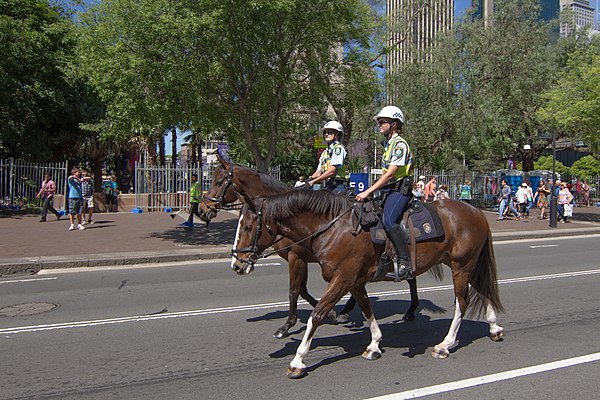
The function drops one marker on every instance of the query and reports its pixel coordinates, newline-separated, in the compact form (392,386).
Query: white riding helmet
(336,126)
(391,112)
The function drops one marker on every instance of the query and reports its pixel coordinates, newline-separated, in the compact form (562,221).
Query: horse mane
(321,202)
(271,184)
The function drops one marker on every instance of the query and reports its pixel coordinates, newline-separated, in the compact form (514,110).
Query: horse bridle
(253,249)
(218,201)
(254,256)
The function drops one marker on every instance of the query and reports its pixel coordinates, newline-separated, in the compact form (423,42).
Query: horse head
(253,236)
(221,190)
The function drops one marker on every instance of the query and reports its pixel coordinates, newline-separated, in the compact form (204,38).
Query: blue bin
(168,210)
(137,210)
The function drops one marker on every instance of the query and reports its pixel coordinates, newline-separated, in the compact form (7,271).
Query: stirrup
(382,268)
(401,272)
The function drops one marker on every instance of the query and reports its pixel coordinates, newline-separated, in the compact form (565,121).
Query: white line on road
(543,246)
(482,380)
(546,239)
(253,307)
(28,280)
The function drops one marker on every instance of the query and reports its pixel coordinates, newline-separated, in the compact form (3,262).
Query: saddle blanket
(426,222)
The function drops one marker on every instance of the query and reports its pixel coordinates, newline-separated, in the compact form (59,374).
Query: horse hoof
(498,336)
(408,317)
(332,315)
(295,373)
(371,355)
(342,318)
(439,353)
(280,333)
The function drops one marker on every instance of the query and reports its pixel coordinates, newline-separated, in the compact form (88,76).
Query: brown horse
(230,181)
(322,224)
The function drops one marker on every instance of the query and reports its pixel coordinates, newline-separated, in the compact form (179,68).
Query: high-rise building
(583,15)
(413,27)
(485,8)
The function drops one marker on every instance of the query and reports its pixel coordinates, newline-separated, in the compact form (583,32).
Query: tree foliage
(256,70)
(586,167)
(573,103)
(545,163)
(475,92)
(41,102)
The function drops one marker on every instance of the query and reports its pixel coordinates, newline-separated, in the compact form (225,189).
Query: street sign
(320,143)
(360,182)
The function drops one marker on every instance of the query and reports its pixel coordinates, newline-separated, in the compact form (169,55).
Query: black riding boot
(399,239)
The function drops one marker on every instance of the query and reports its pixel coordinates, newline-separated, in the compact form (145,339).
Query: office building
(414,26)
(583,16)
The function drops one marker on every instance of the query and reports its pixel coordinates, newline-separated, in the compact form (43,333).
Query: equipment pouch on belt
(405,186)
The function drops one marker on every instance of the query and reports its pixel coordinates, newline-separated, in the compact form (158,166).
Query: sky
(460,6)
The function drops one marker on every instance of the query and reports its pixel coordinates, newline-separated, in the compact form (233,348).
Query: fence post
(11,190)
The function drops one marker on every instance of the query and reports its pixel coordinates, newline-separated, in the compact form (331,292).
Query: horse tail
(484,280)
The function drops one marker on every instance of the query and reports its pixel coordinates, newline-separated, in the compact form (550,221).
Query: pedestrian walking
(75,199)
(46,193)
(195,196)
(87,189)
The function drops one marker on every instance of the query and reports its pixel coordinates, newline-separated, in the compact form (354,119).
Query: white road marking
(228,260)
(28,280)
(253,307)
(501,242)
(543,246)
(482,380)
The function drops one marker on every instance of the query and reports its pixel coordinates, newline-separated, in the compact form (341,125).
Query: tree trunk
(152,155)
(162,151)
(97,174)
(174,147)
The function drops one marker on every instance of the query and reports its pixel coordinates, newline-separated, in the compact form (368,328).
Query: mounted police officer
(331,160)
(396,182)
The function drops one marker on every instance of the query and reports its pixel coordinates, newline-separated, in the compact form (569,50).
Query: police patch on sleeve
(398,152)
(337,151)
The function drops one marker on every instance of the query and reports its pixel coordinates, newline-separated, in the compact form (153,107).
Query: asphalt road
(198,331)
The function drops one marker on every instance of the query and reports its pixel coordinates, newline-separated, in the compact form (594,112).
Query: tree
(545,163)
(475,92)
(134,54)
(586,167)
(573,103)
(41,102)
(254,69)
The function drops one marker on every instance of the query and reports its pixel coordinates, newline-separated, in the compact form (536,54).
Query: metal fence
(157,188)
(485,187)
(160,188)
(21,180)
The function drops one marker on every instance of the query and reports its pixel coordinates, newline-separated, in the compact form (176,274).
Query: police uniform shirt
(397,153)
(335,154)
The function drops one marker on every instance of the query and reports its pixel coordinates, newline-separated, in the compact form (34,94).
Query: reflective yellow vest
(195,192)
(394,149)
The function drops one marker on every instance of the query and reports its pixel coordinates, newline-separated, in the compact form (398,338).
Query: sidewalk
(28,246)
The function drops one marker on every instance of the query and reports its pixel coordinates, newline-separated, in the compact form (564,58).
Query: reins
(255,257)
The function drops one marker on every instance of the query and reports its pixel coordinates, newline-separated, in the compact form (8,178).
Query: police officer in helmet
(396,181)
(331,160)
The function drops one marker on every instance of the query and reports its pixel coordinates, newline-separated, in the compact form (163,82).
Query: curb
(32,265)
(521,235)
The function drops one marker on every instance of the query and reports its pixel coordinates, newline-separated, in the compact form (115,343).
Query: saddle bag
(365,214)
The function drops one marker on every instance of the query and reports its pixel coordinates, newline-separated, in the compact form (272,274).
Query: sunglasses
(329,133)
(383,121)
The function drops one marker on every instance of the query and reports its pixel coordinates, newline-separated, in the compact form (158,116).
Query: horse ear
(225,163)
